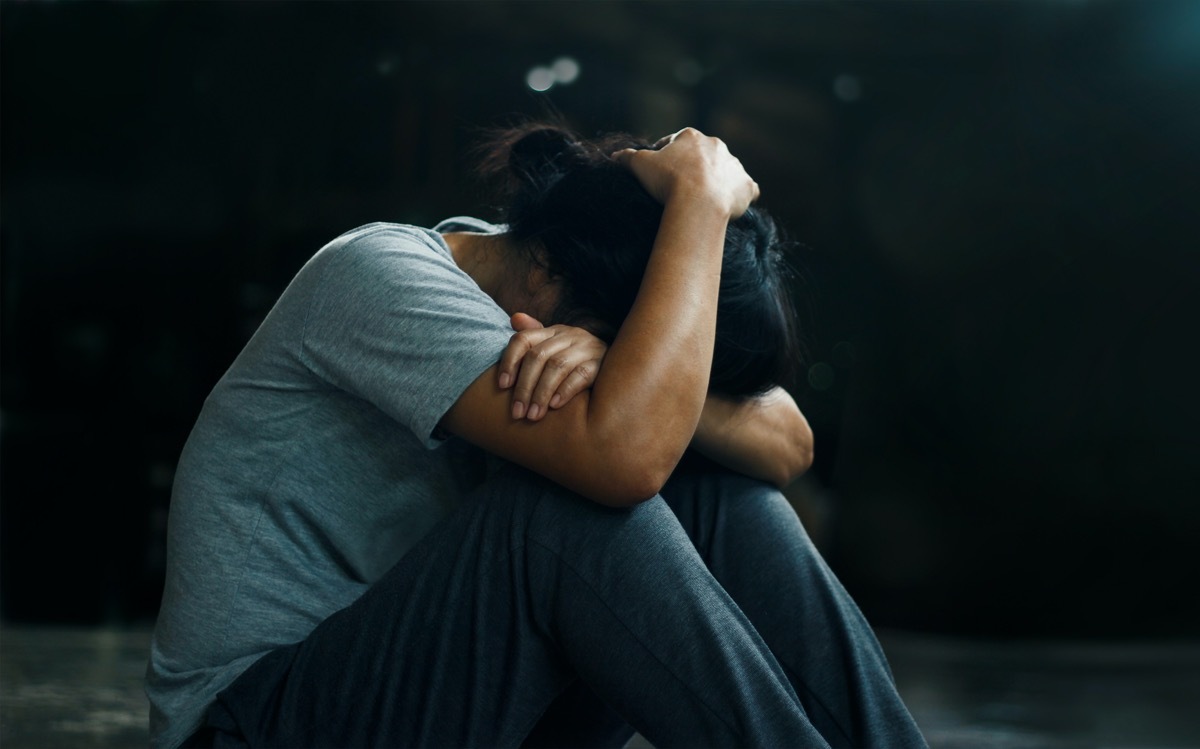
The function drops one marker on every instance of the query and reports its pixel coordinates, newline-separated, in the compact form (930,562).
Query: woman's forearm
(651,390)
(619,442)
(766,437)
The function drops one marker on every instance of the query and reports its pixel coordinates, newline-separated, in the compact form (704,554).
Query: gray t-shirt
(314,466)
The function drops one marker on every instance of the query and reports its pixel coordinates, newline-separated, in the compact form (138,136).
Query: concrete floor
(62,687)
(1049,695)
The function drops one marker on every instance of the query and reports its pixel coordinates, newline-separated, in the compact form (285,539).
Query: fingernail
(556,401)
(518,410)
(505,380)
(534,411)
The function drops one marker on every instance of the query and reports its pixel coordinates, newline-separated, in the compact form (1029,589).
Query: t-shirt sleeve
(395,322)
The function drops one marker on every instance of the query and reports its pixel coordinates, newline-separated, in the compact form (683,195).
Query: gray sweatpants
(703,617)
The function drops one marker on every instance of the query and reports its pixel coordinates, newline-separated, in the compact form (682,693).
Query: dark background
(996,204)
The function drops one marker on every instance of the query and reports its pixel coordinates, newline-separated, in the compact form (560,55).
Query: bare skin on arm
(765,437)
(618,442)
(547,367)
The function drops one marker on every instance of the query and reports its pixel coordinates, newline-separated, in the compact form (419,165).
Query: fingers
(542,362)
(559,368)
(521,321)
(623,156)
(518,346)
(693,164)
(555,371)
(547,367)
(579,379)
(667,140)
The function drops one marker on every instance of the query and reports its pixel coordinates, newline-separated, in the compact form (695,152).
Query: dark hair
(592,225)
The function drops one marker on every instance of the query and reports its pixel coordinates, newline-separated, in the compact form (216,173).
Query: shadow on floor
(64,687)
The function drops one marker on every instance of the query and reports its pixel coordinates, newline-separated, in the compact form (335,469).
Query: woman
(345,569)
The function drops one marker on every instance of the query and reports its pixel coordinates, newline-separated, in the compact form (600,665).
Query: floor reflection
(64,687)
(985,695)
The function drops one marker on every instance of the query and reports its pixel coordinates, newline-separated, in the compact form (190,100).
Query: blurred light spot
(565,69)
(540,79)
(847,87)
(843,354)
(820,376)
(688,72)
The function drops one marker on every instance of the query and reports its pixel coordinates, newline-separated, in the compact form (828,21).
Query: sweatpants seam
(796,679)
(668,669)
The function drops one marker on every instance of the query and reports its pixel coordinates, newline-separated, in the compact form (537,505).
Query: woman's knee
(720,507)
(564,522)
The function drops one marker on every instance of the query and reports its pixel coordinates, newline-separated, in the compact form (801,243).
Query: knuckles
(586,371)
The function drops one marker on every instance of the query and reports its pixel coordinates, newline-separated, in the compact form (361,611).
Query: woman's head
(591,225)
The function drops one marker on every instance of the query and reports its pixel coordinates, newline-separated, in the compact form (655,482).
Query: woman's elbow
(631,480)
(641,483)
(798,459)
(624,492)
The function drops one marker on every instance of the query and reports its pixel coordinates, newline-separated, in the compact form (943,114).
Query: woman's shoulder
(387,237)
(386,256)
(383,234)
(365,248)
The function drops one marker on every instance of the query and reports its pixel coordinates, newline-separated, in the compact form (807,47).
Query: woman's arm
(619,442)
(765,437)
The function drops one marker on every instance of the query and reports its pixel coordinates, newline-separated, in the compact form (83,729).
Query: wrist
(704,210)
(700,196)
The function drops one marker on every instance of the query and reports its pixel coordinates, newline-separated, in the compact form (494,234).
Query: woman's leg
(523,590)
(756,548)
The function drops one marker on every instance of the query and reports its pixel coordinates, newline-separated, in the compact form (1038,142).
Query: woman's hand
(546,367)
(618,442)
(691,165)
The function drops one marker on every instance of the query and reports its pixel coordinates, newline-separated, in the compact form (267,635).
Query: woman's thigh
(523,590)
(444,650)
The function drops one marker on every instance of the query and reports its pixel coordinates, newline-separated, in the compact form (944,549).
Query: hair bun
(542,155)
